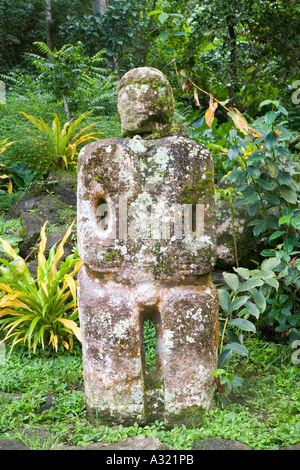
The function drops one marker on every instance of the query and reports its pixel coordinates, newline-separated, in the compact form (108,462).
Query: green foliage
(62,141)
(266,178)
(267,174)
(263,412)
(21,23)
(41,311)
(63,71)
(25,151)
(121,29)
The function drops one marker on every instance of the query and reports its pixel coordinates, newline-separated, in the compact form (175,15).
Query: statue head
(145,102)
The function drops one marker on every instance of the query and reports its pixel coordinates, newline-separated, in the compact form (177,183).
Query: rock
(12,444)
(145,102)
(291,447)
(32,225)
(33,267)
(39,434)
(217,277)
(49,403)
(133,443)
(55,238)
(219,444)
(11,396)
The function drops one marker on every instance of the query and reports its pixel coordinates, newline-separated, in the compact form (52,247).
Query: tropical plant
(43,310)
(63,143)
(64,70)
(4,144)
(266,174)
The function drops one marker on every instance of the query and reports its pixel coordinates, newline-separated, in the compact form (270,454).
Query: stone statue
(147,240)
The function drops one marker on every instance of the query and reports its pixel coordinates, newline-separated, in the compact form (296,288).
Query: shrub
(41,311)
(62,141)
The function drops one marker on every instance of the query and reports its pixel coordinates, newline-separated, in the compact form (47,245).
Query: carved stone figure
(147,240)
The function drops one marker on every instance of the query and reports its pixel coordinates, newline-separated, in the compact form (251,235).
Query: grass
(264,412)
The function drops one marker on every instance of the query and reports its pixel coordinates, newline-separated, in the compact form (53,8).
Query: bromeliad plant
(39,311)
(243,296)
(64,142)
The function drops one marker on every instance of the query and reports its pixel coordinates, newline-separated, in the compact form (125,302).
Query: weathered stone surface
(133,443)
(57,193)
(145,102)
(219,444)
(32,225)
(147,257)
(48,403)
(160,173)
(12,444)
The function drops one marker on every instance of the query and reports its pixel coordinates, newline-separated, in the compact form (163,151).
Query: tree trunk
(148,34)
(48,13)
(66,106)
(99,6)
(233,64)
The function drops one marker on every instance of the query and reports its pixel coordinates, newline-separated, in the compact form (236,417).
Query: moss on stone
(192,192)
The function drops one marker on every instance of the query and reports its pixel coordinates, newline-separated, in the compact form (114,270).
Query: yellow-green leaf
(71,325)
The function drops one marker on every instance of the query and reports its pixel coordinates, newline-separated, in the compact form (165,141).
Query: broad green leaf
(237,348)
(243,324)
(276,234)
(296,222)
(282,110)
(243,272)
(268,185)
(272,168)
(269,264)
(164,34)
(250,284)
(260,227)
(154,12)
(252,309)
(231,280)
(288,194)
(218,372)
(272,282)
(270,140)
(163,17)
(271,199)
(237,303)
(237,381)
(259,298)
(266,102)
(270,117)
(224,299)
(224,358)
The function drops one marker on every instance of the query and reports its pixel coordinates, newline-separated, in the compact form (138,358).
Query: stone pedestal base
(117,386)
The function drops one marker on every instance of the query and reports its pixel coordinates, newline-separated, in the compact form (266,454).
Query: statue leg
(112,364)
(189,318)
